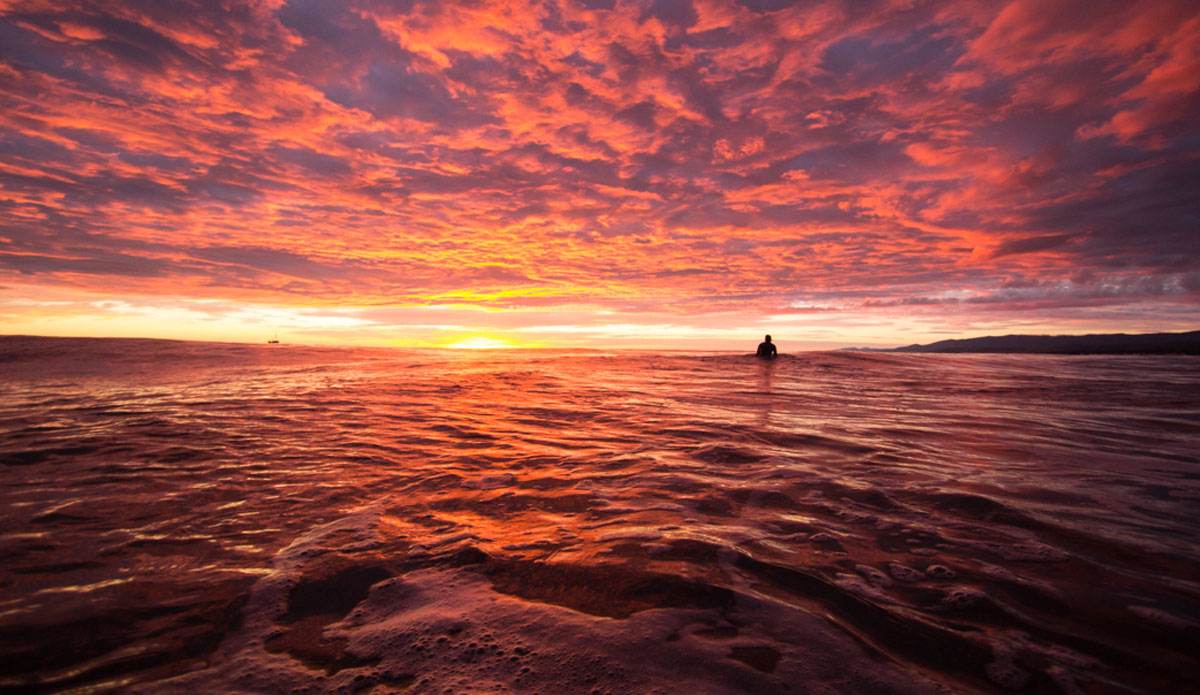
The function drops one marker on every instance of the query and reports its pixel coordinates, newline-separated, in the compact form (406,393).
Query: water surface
(194,517)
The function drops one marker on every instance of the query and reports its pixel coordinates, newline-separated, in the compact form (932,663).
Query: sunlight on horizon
(481,343)
(69,312)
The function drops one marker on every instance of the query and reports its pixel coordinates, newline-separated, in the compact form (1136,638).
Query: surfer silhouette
(766,349)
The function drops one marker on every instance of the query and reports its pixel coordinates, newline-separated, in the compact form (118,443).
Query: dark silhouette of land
(1106,344)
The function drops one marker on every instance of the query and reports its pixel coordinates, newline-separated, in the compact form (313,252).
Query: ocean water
(214,518)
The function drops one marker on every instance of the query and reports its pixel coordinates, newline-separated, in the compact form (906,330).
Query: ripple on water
(379,521)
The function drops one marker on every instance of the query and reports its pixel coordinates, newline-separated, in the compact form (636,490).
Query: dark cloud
(25,48)
(314,162)
(769,5)
(865,58)
(678,13)
(274,261)
(1031,245)
(97,263)
(640,114)
(334,34)
(852,160)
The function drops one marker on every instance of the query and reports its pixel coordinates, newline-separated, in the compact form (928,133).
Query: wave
(262,519)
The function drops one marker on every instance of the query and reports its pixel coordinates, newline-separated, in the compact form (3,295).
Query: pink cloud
(695,157)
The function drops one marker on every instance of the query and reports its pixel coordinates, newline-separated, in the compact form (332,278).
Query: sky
(682,174)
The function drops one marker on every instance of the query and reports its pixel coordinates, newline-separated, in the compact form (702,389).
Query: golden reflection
(766,372)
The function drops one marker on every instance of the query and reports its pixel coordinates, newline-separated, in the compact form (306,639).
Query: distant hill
(1108,344)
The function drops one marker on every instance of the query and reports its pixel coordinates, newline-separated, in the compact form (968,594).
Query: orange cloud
(690,158)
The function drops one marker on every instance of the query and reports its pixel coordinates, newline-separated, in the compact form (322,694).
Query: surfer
(766,349)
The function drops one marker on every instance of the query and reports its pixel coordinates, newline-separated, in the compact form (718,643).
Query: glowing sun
(480,343)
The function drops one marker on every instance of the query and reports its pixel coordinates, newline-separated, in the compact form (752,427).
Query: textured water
(187,517)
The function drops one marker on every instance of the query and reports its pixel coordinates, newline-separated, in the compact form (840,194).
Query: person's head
(768,339)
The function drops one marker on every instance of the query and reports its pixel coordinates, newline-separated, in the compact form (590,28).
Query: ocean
(181,517)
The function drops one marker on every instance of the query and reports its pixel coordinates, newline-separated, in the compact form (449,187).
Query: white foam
(905,573)
(445,629)
(962,597)
(877,577)
(940,572)
(1028,551)
(857,585)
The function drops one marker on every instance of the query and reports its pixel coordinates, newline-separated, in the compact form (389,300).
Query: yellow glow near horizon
(31,310)
(480,343)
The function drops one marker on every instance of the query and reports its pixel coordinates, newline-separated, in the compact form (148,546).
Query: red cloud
(729,155)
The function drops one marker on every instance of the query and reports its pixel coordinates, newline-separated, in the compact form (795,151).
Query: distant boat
(274,341)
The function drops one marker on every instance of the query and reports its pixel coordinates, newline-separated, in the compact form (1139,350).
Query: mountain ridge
(1186,343)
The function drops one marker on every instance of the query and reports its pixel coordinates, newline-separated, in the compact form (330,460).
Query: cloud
(1030,244)
(688,156)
